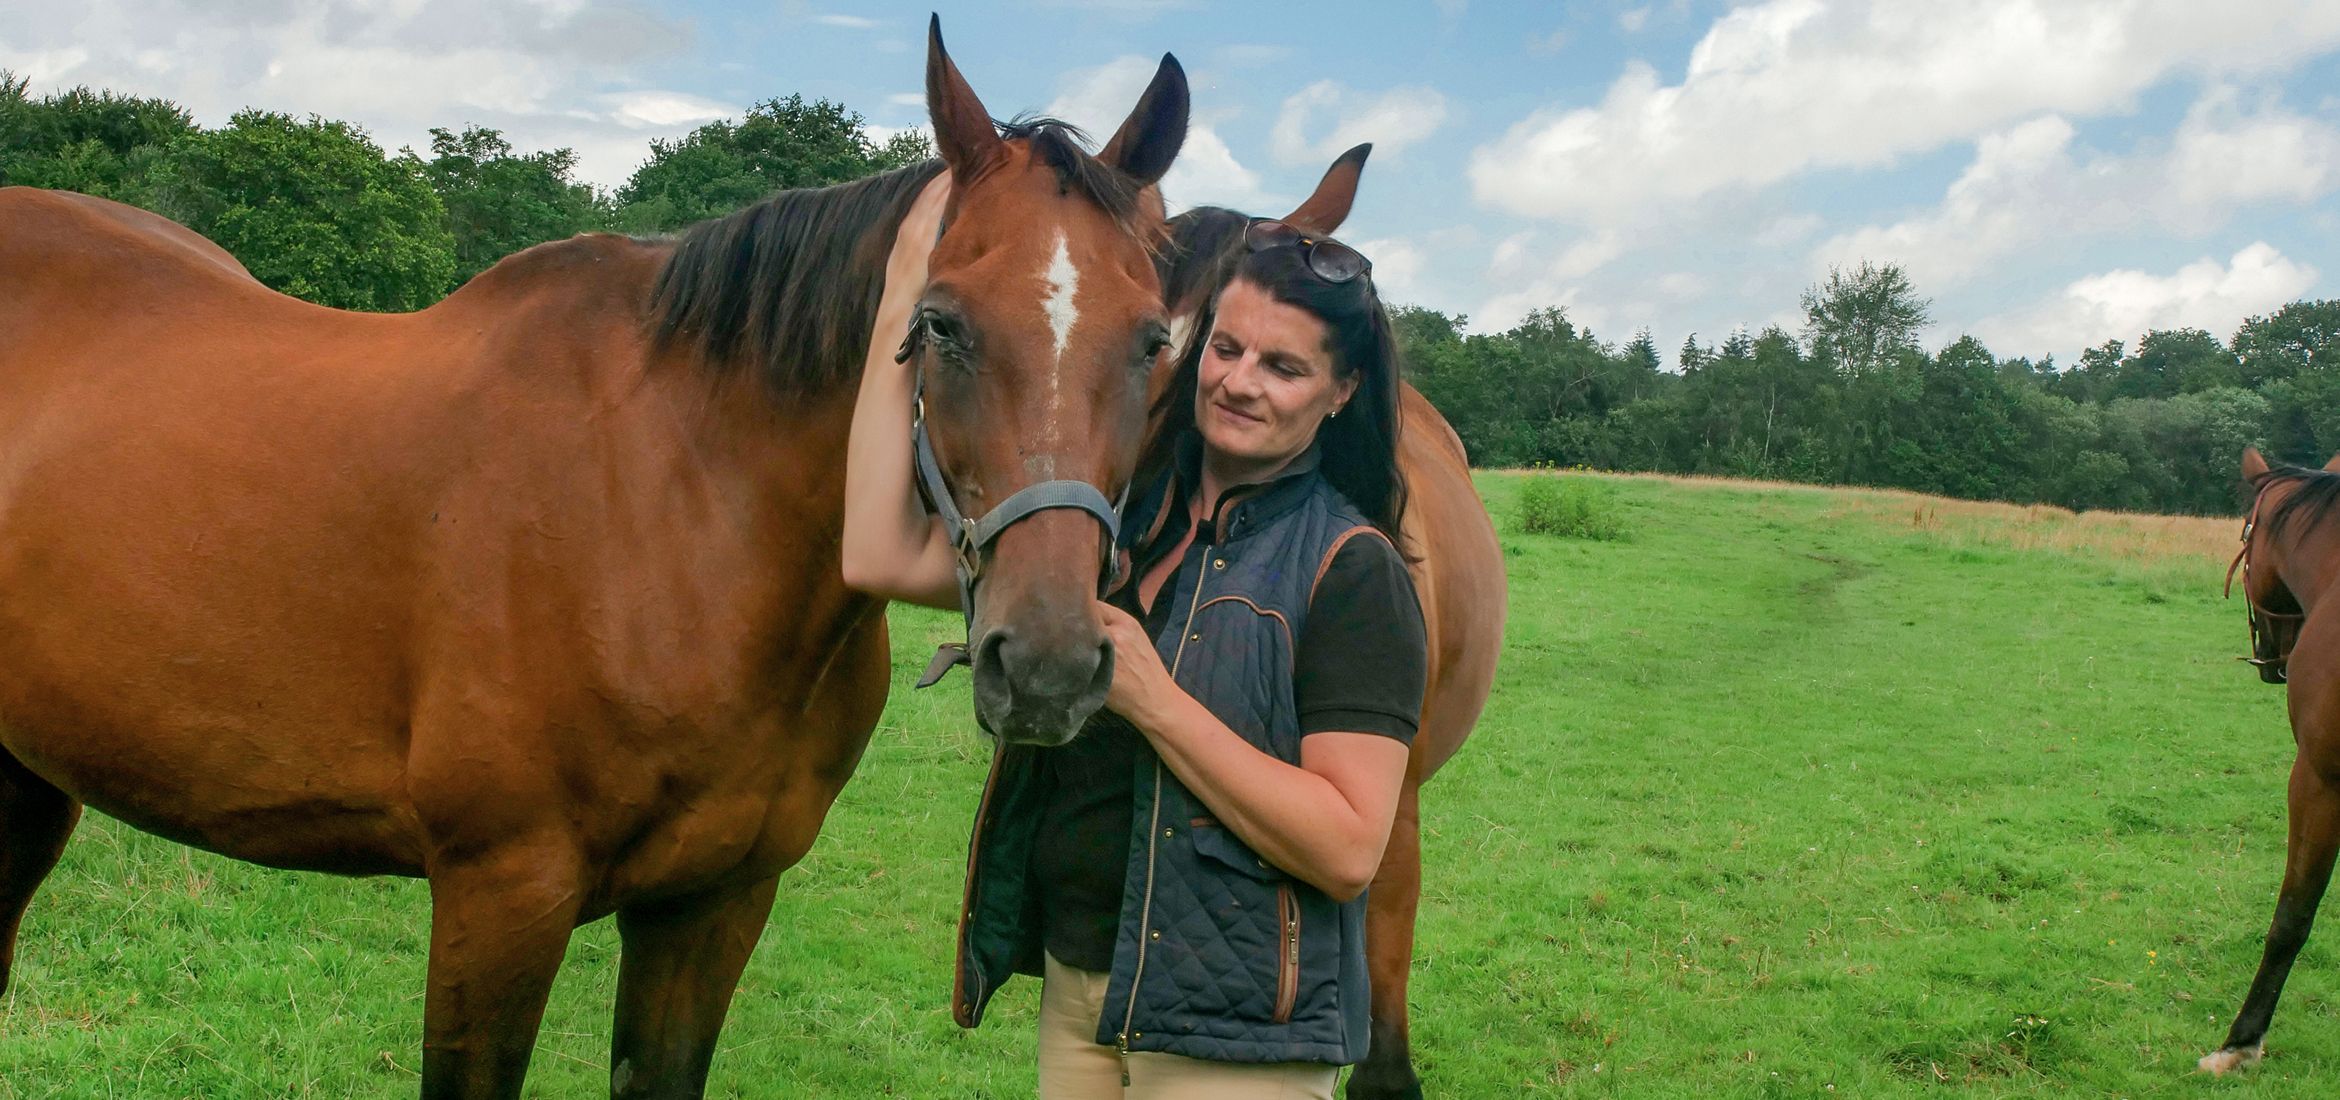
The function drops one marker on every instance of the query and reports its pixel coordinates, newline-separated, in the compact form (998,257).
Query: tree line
(1853,399)
(313,207)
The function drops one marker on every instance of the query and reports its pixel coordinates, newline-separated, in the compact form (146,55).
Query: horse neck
(2308,559)
(775,458)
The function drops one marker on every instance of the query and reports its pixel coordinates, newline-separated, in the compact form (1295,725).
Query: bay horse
(2289,563)
(534,593)
(1457,568)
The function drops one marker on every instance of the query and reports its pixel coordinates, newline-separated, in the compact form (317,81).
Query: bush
(1568,507)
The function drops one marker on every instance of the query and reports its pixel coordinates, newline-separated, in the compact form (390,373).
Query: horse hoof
(2219,1063)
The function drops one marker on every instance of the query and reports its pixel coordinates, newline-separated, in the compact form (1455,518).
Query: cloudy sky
(2053,173)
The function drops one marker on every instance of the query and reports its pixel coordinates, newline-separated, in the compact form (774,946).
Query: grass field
(1789,792)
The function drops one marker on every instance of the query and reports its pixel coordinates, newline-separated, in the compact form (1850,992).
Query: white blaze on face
(1064,285)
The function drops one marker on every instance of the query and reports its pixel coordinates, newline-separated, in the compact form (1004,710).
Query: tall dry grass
(2134,537)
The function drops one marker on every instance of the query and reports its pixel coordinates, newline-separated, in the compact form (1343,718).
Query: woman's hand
(1138,676)
(906,265)
(891,547)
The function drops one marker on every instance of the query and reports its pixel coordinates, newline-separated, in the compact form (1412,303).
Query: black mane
(2318,494)
(1202,244)
(1063,147)
(790,284)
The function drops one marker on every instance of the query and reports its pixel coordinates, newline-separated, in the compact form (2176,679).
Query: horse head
(2275,612)
(1041,322)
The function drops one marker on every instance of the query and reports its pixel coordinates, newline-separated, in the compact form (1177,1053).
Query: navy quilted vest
(1220,955)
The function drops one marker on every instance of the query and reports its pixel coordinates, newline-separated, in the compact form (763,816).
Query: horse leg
(681,962)
(1387,1073)
(500,921)
(2307,869)
(35,819)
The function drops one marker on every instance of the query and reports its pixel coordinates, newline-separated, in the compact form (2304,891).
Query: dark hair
(1359,448)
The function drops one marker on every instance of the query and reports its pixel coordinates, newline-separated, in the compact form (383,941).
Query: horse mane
(2316,498)
(791,283)
(1202,243)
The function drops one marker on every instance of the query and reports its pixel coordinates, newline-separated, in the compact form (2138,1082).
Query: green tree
(499,202)
(780,143)
(2295,340)
(313,209)
(97,143)
(1864,319)
(2169,362)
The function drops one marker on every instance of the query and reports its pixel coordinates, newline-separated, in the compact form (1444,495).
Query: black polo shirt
(1358,667)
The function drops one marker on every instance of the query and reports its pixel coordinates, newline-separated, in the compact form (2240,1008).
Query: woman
(1188,874)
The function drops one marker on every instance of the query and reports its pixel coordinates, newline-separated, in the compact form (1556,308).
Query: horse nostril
(1102,680)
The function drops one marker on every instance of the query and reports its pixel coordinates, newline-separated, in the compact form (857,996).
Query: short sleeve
(1362,656)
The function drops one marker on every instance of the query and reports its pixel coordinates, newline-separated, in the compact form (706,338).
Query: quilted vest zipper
(1153,822)
(1287,953)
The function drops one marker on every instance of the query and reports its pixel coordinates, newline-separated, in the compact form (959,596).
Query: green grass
(1785,790)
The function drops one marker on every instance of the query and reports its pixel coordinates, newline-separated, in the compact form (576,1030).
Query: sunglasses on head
(1331,260)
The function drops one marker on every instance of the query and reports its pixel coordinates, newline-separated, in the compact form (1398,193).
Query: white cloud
(2122,305)
(1631,20)
(2027,189)
(1391,121)
(908,99)
(1547,45)
(662,110)
(850,22)
(1452,9)
(1787,86)
(1538,276)
(1398,265)
(1099,100)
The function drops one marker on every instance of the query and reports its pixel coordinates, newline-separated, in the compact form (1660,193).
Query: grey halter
(971,538)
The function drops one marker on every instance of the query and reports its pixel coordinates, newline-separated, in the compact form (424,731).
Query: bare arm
(1325,821)
(892,547)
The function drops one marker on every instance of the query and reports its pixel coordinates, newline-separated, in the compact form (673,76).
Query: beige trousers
(1074,1067)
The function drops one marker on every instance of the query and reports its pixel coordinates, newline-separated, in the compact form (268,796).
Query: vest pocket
(1287,952)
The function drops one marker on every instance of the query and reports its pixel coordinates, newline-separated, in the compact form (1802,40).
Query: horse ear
(1152,135)
(2333,465)
(2254,466)
(963,131)
(1335,193)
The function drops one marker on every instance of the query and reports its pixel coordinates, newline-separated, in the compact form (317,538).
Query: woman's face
(1267,379)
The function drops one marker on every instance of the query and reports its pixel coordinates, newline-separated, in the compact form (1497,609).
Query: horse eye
(948,334)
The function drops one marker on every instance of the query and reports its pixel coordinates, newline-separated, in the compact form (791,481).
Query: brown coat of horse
(1458,575)
(2290,567)
(535,592)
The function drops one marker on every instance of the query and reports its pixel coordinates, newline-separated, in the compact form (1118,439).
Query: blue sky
(2053,173)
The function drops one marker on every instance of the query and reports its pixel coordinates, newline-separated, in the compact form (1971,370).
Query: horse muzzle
(1032,689)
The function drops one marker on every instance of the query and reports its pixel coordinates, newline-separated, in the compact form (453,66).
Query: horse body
(263,648)
(2290,566)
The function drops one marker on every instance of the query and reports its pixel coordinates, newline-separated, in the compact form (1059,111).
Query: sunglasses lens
(1336,262)
(1265,235)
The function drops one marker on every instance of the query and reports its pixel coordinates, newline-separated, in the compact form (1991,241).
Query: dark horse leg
(1387,1073)
(681,962)
(500,921)
(35,819)
(2307,869)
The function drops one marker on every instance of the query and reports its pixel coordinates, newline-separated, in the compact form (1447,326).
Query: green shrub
(1568,507)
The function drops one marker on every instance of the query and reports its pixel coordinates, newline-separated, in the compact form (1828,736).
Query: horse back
(1458,577)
